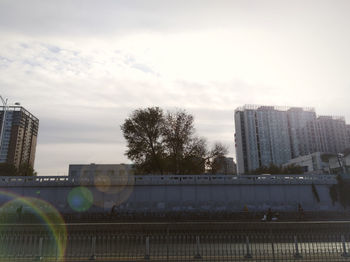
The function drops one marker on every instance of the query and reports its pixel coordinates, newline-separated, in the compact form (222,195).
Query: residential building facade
(268,135)
(262,137)
(19,138)
(333,133)
(303,131)
(348,133)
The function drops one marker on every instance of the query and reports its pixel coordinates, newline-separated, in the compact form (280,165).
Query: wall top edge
(106,180)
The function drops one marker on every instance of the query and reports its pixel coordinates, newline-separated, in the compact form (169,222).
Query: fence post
(345,253)
(40,253)
(20,242)
(167,244)
(297,254)
(197,255)
(57,245)
(272,239)
(147,256)
(248,254)
(93,248)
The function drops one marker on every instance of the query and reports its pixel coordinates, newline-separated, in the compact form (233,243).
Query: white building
(340,164)
(268,135)
(100,169)
(312,163)
(333,134)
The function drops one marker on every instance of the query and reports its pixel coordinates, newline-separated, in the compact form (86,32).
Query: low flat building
(312,163)
(78,170)
(340,164)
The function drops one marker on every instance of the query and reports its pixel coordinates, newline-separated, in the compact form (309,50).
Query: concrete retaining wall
(152,193)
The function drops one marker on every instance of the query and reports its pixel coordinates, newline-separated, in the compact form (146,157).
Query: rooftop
(20,108)
(278,108)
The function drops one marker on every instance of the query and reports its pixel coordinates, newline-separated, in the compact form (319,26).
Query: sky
(82,67)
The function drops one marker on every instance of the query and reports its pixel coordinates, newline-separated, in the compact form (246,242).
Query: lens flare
(110,187)
(103,183)
(80,199)
(17,209)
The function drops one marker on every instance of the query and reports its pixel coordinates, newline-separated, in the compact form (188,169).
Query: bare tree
(218,151)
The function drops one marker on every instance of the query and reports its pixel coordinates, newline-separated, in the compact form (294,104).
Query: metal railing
(104,246)
(110,180)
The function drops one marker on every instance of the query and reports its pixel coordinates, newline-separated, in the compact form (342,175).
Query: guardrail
(175,247)
(94,180)
(173,216)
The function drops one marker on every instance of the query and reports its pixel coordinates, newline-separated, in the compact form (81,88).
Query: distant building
(303,131)
(333,134)
(100,169)
(224,166)
(268,135)
(340,165)
(311,163)
(20,136)
(262,137)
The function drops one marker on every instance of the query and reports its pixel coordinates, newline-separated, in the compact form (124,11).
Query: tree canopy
(143,133)
(166,143)
(7,169)
(26,170)
(275,170)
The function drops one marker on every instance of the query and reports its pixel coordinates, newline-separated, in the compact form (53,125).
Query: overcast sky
(81,67)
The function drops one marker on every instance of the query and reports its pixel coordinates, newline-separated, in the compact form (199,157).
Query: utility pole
(341,162)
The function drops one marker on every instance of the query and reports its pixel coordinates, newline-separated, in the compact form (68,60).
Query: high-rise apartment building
(19,137)
(262,137)
(333,134)
(303,132)
(273,135)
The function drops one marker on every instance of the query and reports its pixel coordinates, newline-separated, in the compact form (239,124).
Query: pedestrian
(19,212)
(269,215)
(301,213)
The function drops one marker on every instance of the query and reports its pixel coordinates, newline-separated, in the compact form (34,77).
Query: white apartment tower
(262,137)
(333,133)
(273,135)
(304,136)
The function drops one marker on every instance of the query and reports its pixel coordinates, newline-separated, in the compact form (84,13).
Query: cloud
(120,17)
(88,17)
(82,66)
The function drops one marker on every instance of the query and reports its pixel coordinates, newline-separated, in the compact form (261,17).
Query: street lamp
(4,103)
(340,157)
